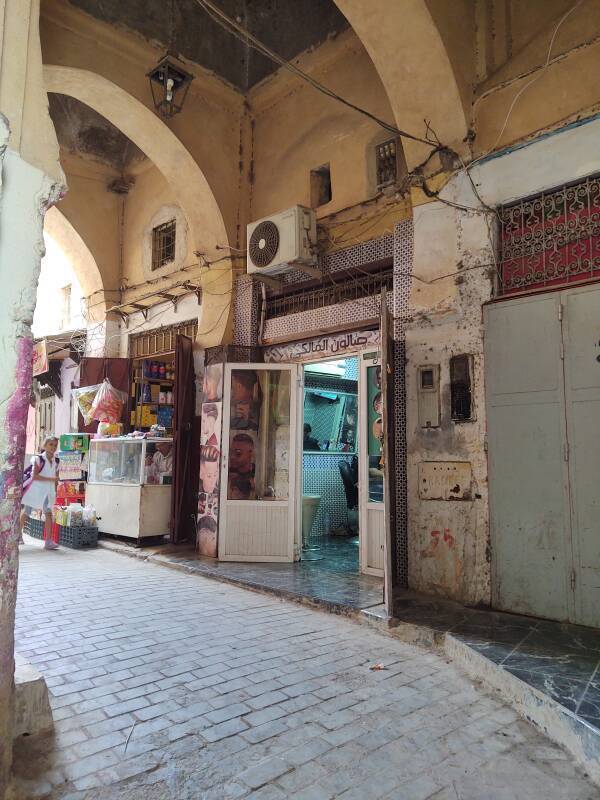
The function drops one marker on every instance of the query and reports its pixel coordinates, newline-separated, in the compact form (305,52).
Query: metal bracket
(171,297)
(143,309)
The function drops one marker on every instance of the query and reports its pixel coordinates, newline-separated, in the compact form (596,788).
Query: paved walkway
(167,685)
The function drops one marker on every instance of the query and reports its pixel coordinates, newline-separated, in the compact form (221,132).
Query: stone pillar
(30,181)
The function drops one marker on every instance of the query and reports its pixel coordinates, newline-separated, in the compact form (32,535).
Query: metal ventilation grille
(264,244)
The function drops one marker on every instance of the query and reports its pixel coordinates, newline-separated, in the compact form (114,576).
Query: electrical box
(428,395)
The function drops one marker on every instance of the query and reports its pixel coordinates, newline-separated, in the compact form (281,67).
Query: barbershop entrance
(301,468)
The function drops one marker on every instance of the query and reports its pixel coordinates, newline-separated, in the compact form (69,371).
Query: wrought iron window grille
(346,286)
(386,155)
(550,239)
(163,244)
(160,340)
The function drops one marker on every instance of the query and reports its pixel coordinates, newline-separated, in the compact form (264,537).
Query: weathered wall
(448,539)
(147,197)
(94,213)
(296,129)
(516,56)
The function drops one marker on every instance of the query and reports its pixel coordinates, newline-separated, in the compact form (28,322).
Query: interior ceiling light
(169,84)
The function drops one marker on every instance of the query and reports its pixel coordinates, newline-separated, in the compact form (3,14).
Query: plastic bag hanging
(108,403)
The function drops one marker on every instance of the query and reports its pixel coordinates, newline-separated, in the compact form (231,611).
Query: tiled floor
(561,660)
(168,686)
(328,576)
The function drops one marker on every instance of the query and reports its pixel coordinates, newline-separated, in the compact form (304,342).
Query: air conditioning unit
(282,242)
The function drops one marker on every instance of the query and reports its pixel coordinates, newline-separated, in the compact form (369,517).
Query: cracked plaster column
(30,181)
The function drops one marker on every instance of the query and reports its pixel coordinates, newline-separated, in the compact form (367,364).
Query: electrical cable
(244,35)
(527,85)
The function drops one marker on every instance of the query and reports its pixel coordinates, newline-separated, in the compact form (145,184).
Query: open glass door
(258,467)
(371,472)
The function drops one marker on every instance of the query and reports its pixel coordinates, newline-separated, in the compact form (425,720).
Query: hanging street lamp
(169,84)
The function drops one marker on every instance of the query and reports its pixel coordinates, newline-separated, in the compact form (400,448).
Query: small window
(320,186)
(163,244)
(387,163)
(426,378)
(460,388)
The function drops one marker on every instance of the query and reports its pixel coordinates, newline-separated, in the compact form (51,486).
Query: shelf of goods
(152,386)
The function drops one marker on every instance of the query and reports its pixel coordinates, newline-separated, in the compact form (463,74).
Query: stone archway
(405,46)
(82,260)
(178,167)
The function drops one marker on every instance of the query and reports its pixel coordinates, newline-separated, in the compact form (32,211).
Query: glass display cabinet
(129,485)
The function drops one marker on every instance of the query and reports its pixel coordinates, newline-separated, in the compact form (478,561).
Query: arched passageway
(178,167)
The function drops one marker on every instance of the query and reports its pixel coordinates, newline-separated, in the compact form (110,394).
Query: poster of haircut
(246,400)
(208,500)
(245,414)
(212,389)
(241,483)
(211,424)
(210,460)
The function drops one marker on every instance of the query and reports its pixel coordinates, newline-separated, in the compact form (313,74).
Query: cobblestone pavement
(168,685)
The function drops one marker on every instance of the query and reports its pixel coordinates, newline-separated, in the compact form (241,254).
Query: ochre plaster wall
(147,196)
(296,129)
(448,540)
(209,125)
(94,212)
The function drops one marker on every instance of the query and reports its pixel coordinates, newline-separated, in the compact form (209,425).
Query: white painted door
(258,467)
(371,504)
(543,397)
(581,336)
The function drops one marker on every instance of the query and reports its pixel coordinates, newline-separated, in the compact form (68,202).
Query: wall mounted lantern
(169,84)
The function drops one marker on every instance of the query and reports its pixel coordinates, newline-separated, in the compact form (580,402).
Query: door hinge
(566,451)
(560,312)
(562,351)
(573,580)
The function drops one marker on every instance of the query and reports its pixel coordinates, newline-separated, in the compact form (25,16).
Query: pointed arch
(406,48)
(176,164)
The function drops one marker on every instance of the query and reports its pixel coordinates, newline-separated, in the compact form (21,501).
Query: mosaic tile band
(399,246)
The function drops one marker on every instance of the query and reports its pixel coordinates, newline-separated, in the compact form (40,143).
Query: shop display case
(129,485)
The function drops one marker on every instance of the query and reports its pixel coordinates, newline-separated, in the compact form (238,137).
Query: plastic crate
(78,537)
(35,527)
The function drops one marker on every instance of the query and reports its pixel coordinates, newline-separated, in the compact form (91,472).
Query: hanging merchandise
(108,403)
(85,396)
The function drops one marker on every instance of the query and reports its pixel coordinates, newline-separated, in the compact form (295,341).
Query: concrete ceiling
(81,130)
(287,26)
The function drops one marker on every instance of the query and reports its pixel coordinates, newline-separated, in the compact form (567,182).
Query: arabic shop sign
(325,345)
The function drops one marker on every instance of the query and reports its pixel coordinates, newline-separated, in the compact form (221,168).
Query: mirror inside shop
(330,460)
(330,474)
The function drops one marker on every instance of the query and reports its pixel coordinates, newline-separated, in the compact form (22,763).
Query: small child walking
(40,488)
